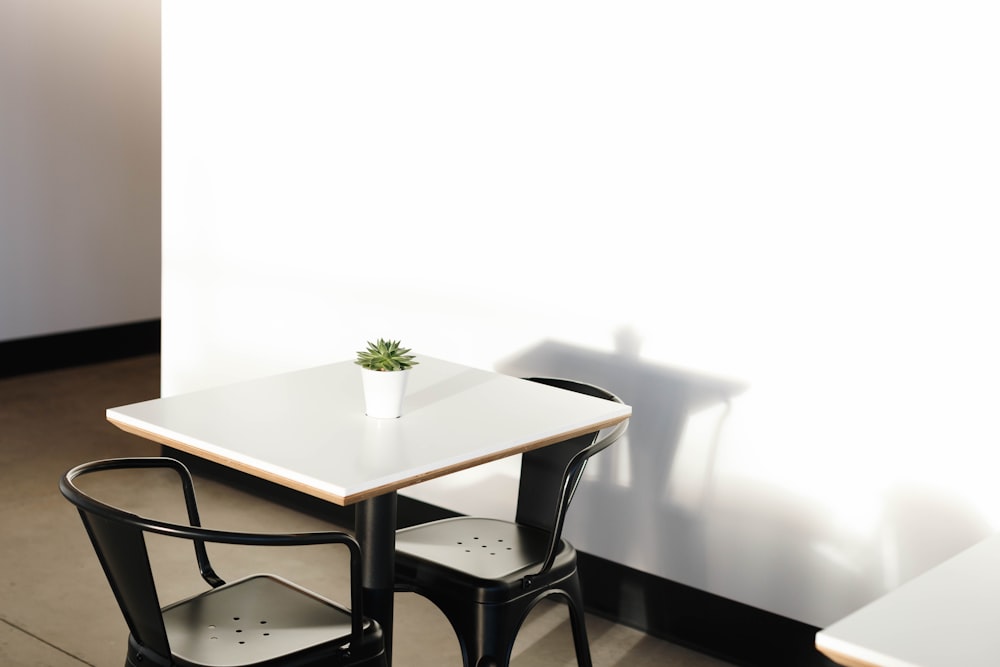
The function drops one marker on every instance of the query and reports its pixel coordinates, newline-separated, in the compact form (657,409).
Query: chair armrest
(200,535)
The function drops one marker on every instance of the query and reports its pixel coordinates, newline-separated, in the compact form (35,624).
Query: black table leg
(376,533)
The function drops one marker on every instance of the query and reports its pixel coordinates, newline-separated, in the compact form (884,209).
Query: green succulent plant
(385,355)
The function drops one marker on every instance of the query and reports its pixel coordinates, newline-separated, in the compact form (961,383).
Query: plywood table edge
(844,660)
(847,654)
(495,456)
(232,463)
(352,498)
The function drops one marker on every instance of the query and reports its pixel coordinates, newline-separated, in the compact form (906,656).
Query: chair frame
(487,626)
(528,502)
(134,588)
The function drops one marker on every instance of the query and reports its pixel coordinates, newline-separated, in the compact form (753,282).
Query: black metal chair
(257,620)
(485,574)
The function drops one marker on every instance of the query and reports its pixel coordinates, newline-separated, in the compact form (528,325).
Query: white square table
(307,430)
(945,617)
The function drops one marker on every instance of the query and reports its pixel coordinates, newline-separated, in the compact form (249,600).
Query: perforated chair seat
(263,617)
(483,559)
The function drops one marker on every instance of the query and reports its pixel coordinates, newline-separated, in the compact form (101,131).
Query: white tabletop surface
(307,429)
(947,617)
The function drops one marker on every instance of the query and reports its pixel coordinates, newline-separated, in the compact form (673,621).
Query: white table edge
(333,493)
(851,655)
(955,576)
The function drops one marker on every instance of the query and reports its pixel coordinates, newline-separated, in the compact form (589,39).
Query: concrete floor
(56,609)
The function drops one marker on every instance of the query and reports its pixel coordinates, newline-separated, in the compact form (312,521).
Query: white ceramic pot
(384,392)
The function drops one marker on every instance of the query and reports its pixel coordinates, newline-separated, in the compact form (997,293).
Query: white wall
(768,226)
(79,165)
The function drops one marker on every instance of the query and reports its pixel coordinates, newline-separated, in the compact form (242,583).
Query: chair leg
(493,640)
(485,633)
(578,621)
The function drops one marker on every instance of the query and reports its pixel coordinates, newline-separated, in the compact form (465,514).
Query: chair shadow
(643,504)
(632,481)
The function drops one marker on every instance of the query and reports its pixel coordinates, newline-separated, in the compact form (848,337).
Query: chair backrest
(550,475)
(120,544)
(119,540)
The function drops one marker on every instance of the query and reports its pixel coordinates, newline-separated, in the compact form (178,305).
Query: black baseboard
(76,348)
(710,624)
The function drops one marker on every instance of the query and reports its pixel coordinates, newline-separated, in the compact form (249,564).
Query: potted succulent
(385,367)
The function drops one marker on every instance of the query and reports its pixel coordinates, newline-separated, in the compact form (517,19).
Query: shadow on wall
(636,481)
(921,526)
(654,502)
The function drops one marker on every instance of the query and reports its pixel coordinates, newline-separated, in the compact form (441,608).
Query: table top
(945,617)
(308,430)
